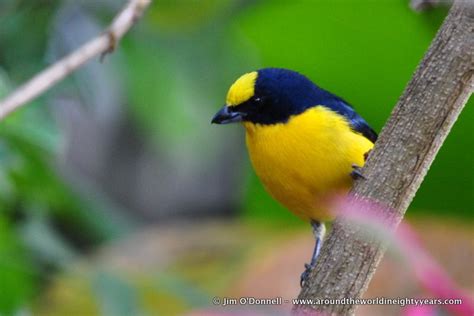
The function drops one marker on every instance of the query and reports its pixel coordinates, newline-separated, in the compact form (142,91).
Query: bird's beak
(224,116)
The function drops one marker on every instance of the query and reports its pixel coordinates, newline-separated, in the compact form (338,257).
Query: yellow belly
(304,162)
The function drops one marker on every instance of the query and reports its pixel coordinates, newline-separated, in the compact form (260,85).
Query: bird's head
(268,96)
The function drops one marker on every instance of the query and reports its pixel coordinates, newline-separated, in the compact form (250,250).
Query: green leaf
(17,275)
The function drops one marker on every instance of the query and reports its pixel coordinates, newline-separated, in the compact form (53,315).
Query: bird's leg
(318,230)
(356,172)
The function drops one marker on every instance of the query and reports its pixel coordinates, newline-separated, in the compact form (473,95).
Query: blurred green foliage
(17,276)
(32,198)
(177,65)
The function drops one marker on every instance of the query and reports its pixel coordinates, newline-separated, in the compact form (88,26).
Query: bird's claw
(356,173)
(366,155)
(305,275)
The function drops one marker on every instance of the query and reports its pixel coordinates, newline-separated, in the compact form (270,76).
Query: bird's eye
(259,101)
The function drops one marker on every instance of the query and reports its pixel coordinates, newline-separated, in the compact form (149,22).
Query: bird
(306,144)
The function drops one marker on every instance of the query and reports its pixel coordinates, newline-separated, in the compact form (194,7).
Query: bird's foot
(305,275)
(356,173)
(366,155)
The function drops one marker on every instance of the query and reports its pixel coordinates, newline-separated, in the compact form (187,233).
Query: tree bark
(399,161)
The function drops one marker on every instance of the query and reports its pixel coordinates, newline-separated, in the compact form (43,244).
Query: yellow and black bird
(306,144)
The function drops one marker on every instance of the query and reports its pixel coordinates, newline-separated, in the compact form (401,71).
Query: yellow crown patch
(242,89)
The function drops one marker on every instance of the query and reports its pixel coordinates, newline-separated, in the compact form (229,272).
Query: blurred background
(117,196)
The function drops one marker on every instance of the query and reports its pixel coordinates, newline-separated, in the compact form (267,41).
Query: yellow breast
(306,160)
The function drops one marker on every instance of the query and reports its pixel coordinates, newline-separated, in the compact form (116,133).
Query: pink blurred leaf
(372,217)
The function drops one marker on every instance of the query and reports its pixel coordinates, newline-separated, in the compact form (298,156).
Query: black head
(269,96)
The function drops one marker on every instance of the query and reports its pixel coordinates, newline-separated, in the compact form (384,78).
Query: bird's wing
(355,120)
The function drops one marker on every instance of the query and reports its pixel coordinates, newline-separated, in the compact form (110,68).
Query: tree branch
(101,45)
(421,5)
(398,163)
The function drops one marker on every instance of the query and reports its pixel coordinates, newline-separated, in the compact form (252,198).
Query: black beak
(224,116)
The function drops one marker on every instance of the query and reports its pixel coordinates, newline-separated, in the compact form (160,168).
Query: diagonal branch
(101,45)
(398,163)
